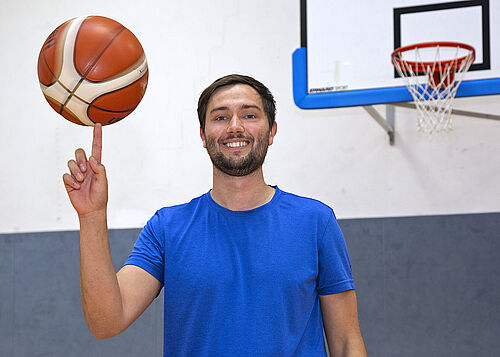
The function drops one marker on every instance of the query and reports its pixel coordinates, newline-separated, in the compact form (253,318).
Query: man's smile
(236,144)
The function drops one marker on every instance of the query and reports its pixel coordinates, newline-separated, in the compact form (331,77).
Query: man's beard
(239,166)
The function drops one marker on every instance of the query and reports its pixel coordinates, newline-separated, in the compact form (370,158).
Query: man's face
(237,131)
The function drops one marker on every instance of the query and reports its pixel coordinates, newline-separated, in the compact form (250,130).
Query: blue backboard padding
(306,100)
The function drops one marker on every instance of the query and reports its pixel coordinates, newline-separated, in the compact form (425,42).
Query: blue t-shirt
(244,283)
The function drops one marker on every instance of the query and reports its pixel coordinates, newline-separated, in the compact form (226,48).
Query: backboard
(345,54)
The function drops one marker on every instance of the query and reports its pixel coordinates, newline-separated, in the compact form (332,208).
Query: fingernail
(82,167)
(79,176)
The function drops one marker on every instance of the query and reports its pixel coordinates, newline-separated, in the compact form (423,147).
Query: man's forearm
(101,298)
(353,347)
(340,318)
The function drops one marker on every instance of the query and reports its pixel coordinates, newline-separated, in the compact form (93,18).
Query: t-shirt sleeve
(148,252)
(335,274)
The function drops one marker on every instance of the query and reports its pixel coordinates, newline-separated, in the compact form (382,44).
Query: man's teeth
(237,144)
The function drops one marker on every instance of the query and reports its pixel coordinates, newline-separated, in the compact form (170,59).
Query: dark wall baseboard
(426,286)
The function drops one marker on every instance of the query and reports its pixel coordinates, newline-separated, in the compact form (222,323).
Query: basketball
(91,70)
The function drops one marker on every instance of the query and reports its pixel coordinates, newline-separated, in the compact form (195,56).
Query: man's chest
(215,261)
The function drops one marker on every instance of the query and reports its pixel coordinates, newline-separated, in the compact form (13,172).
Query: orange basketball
(92,70)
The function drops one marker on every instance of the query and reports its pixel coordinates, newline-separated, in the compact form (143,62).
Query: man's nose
(235,125)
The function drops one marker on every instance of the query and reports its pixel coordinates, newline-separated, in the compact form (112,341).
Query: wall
(154,157)
(426,286)
(40,305)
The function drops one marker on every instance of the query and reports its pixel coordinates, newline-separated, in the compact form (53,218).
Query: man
(248,269)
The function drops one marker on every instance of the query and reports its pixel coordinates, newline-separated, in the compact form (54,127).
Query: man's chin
(231,167)
(237,172)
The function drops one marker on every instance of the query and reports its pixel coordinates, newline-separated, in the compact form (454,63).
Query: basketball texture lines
(92,70)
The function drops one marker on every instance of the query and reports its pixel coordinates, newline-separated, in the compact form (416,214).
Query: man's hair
(233,79)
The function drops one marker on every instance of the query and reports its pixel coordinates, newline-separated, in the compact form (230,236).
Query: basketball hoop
(443,64)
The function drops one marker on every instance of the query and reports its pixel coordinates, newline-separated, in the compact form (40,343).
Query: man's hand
(87,185)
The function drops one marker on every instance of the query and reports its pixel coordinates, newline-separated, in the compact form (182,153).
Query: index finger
(97,142)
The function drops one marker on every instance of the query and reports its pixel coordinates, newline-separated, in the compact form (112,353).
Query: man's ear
(202,136)
(274,129)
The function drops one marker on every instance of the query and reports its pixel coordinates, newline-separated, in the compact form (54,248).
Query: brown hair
(233,79)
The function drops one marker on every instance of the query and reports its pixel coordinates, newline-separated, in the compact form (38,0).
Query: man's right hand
(110,301)
(87,185)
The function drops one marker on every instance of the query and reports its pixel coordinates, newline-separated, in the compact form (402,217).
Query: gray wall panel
(365,242)
(40,309)
(439,280)
(7,300)
(426,286)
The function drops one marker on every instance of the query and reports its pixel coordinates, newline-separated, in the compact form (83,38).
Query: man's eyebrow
(249,106)
(218,108)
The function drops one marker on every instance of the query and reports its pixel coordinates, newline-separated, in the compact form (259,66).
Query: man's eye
(250,116)
(220,118)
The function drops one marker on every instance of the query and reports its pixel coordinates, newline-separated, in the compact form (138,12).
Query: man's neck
(241,193)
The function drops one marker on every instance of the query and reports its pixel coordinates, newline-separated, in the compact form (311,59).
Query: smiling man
(248,269)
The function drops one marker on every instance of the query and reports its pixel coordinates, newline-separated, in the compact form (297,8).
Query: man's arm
(110,301)
(340,319)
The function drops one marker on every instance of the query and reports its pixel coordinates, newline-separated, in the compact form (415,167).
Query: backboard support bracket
(465,113)
(388,123)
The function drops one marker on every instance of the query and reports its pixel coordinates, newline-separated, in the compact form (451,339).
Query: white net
(433,75)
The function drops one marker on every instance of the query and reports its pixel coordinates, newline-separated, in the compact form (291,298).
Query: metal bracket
(454,111)
(388,124)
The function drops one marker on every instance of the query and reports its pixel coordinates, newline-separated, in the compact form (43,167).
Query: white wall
(154,157)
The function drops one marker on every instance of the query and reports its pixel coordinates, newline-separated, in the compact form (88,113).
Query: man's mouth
(236,144)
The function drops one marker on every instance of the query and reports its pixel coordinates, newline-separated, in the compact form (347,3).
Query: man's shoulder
(178,213)
(182,208)
(304,204)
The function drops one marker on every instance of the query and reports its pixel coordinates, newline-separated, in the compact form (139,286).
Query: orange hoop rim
(437,65)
